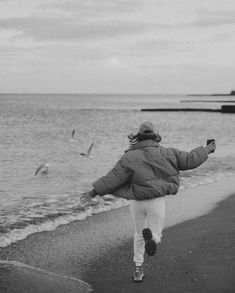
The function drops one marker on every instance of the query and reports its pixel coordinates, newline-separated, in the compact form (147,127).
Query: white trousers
(146,214)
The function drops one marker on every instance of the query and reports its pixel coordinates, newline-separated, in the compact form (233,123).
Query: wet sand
(197,253)
(195,256)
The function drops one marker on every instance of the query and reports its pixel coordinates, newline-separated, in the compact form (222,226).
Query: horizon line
(104,93)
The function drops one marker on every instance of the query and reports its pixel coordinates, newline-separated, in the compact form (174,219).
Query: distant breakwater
(232,93)
(223,109)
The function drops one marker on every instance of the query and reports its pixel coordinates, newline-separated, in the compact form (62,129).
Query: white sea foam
(19,234)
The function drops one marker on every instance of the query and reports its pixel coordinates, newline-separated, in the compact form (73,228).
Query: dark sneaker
(138,274)
(150,244)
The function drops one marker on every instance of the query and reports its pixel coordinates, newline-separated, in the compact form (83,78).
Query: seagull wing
(38,169)
(90,148)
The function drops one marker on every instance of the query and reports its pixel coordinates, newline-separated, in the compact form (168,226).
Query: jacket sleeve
(192,159)
(113,179)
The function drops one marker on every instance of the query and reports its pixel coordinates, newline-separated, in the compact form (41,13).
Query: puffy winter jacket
(148,170)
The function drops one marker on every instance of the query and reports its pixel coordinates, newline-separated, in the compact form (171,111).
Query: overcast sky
(117,46)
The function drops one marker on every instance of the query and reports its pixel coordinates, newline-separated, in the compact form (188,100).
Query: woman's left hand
(87,196)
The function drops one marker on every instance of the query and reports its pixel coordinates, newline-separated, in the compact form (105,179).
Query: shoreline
(81,249)
(15,237)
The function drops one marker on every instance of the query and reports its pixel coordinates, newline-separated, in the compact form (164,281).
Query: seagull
(73,132)
(72,136)
(88,154)
(44,168)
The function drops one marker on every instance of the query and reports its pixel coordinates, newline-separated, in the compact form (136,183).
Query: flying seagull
(88,154)
(73,133)
(44,168)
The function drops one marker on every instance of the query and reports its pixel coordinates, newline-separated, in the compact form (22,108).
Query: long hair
(135,138)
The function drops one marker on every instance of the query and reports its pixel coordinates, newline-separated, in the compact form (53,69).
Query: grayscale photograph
(117,146)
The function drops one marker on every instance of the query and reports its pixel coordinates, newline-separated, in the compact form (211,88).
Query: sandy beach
(197,253)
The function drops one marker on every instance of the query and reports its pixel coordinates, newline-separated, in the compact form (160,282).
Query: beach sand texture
(197,253)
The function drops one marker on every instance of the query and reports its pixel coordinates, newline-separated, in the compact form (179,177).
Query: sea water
(36,129)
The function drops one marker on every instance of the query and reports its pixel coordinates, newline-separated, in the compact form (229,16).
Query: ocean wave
(53,221)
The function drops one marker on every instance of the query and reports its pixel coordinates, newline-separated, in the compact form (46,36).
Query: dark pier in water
(223,109)
(232,93)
